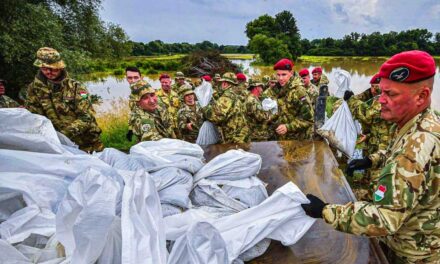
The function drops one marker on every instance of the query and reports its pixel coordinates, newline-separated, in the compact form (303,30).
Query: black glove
(358,164)
(315,207)
(347,95)
(129,135)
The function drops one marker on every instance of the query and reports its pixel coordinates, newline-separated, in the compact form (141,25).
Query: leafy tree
(269,49)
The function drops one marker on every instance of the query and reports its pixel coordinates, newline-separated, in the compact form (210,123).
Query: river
(114,88)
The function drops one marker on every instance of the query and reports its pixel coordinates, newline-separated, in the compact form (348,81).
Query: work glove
(358,164)
(129,135)
(315,207)
(348,95)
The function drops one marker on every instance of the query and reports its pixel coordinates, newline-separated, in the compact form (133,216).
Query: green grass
(239,56)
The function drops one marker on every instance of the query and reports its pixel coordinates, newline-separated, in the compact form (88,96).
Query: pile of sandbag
(61,205)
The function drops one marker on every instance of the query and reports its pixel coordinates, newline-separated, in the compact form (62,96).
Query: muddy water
(313,168)
(115,87)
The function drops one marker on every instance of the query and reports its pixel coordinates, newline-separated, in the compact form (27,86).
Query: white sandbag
(174,186)
(269,104)
(112,251)
(231,165)
(121,161)
(208,134)
(10,202)
(143,236)
(342,79)
(47,254)
(204,93)
(251,191)
(85,215)
(202,244)
(169,210)
(340,130)
(10,255)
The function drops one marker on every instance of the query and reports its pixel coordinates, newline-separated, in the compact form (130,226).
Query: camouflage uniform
(257,119)
(190,114)
(227,112)
(171,102)
(151,126)
(7,102)
(66,103)
(322,81)
(313,93)
(134,98)
(405,211)
(176,87)
(241,91)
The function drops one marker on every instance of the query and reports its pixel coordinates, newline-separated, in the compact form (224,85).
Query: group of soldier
(402,154)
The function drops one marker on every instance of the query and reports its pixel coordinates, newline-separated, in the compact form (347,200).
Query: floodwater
(112,88)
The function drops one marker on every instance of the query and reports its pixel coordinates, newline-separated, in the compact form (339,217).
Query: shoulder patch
(379,194)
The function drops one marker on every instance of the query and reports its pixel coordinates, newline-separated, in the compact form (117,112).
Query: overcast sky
(224,21)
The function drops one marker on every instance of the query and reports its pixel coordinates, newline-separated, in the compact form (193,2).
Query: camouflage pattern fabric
(151,126)
(257,119)
(190,114)
(313,93)
(364,96)
(67,104)
(241,91)
(227,112)
(176,88)
(171,102)
(404,213)
(133,98)
(7,102)
(323,80)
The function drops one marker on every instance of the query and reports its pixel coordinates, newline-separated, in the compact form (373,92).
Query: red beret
(164,76)
(317,70)
(375,79)
(304,72)
(240,76)
(408,67)
(207,78)
(283,64)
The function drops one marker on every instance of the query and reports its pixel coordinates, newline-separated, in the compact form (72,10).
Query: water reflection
(112,88)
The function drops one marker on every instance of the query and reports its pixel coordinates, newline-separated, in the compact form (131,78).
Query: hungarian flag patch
(379,194)
(83,94)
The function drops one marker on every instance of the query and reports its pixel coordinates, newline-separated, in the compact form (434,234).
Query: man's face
(148,102)
(398,101)
(180,81)
(166,84)
(306,79)
(257,90)
(283,76)
(316,76)
(225,85)
(2,88)
(189,99)
(50,73)
(132,76)
(375,89)
(216,80)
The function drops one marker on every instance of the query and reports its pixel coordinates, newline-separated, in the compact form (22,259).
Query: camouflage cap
(49,58)
(254,82)
(179,75)
(140,88)
(229,77)
(185,90)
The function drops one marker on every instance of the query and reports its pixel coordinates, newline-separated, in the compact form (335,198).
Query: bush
(118,72)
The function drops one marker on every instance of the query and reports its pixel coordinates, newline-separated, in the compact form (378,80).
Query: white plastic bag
(208,134)
(204,93)
(269,104)
(340,130)
(343,79)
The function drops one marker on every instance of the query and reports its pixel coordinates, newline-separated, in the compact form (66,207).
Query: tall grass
(114,125)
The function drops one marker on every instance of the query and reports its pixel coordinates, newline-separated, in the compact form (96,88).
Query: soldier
(227,112)
(318,77)
(190,115)
(295,113)
(216,86)
(312,90)
(150,121)
(132,75)
(6,101)
(258,119)
(63,100)
(169,99)
(241,88)
(179,81)
(405,211)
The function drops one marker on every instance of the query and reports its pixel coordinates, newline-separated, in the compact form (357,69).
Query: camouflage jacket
(313,93)
(241,91)
(67,104)
(405,210)
(323,80)
(257,119)
(151,126)
(175,88)
(227,112)
(193,115)
(170,101)
(7,102)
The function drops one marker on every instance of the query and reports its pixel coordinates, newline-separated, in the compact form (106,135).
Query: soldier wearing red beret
(318,77)
(295,112)
(241,88)
(312,90)
(404,212)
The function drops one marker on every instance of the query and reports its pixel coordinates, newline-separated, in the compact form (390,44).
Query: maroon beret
(304,72)
(317,70)
(283,64)
(375,79)
(408,67)
(164,76)
(240,76)
(207,78)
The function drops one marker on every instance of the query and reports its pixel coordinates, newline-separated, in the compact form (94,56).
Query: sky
(224,21)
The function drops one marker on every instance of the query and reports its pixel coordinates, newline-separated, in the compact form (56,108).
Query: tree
(269,49)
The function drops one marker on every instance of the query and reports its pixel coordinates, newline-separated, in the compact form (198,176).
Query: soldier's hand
(129,135)
(281,129)
(315,207)
(189,126)
(358,164)
(347,95)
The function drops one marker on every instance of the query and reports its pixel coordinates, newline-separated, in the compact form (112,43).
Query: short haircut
(133,69)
